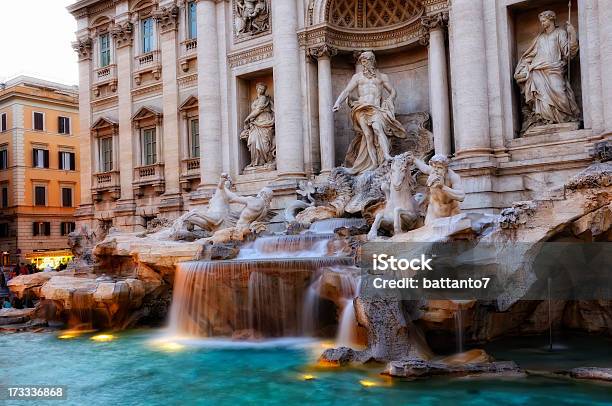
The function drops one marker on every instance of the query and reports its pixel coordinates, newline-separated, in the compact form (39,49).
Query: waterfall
(459,329)
(288,246)
(328,226)
(347,326)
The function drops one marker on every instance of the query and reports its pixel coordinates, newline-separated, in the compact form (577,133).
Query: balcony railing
(190,168)
(106,182)
(189,51)
(191,45)
(105,74)
(149,62)
(149,175)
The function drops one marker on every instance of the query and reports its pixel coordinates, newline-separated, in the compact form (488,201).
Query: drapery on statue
(252,17)
(445,190)
(259,129)
(373,116)
(541,75)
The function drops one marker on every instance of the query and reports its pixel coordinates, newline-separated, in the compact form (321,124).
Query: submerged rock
(594,373)
(420,369)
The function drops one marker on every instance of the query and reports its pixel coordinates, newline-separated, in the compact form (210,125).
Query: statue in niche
(542,75)
(401,210)
(373,117)
(259,129)
(445,190)
(252,17)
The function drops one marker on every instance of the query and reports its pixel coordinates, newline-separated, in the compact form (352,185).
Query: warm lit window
(149,147)
(63,125)
(39,121)
(106,154)
(67,161)
(194,138)
(66,197)
(147,35)
(41,228)
(67,227)
(3,158)
(40,195)
(192,20)
(105,50)
(40,158)
(4,124)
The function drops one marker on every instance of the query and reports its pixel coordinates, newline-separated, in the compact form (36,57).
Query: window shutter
(46,158)
(72,161)
(35,229)
(60,161)
(33,157)
(60,125)
(47,228)
(67,125)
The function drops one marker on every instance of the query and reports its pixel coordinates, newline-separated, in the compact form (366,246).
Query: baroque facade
(39,170)
(166,86)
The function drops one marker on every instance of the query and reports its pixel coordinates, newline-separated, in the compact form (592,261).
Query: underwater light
(67,336)
(308,377)
(170,346)
(367,384)
(103,337)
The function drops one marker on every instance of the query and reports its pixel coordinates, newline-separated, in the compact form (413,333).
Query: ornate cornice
(83,48)
(323,51)
(187,81)
(249,56)
(123,34)
(430,23)
(167,17)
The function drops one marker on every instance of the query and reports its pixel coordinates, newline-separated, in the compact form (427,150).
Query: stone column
(209,94)
(122,33)
(167,18)
(323,54)
(287,94)
(83,49)
(434,35)
(605,39)
(469,76)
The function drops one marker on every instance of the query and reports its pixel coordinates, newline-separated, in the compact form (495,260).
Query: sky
(35,40)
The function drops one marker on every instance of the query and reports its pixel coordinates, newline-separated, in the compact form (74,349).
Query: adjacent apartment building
(39,170)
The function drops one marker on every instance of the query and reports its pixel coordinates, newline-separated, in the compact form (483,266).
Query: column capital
(83,48)
(167,17)
(430,23)
(323,51)
(123,34)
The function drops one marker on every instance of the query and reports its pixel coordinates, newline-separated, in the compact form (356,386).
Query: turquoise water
(133,369)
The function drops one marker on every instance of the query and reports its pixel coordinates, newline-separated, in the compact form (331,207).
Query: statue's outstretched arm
(345,93)
(422,166)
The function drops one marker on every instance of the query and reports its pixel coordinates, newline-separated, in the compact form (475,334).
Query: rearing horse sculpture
(401,208)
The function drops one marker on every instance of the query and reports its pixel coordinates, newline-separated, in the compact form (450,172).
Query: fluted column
(469,75)
(209,94)
(605,39)
(167,18)
(323,54)
(123,35)
(287,95)
(434,33)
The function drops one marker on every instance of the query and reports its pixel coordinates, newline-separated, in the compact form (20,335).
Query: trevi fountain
(244,300)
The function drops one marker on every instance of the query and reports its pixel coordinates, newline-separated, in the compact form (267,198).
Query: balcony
(190,170)
(106,182)
(188,51)
(149,175)
(149,62)
(105,74)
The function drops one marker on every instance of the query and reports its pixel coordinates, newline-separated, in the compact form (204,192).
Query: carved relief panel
(251,18)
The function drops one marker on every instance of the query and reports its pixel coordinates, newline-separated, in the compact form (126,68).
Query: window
(106,154)
(63,125)
(4,230)
(39,121)
(41,228)
(147,35)
(3,158)
(4,124)
(67,227)
(40,158)
(40,195)
(192,20)
(194,138)
(66,197)
(149,147)
(67,161)
(104,50)
(5,202)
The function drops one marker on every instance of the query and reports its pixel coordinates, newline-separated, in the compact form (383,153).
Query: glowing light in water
(170,346)
(103,337)
(367,384)
(308,377)
(67,336)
